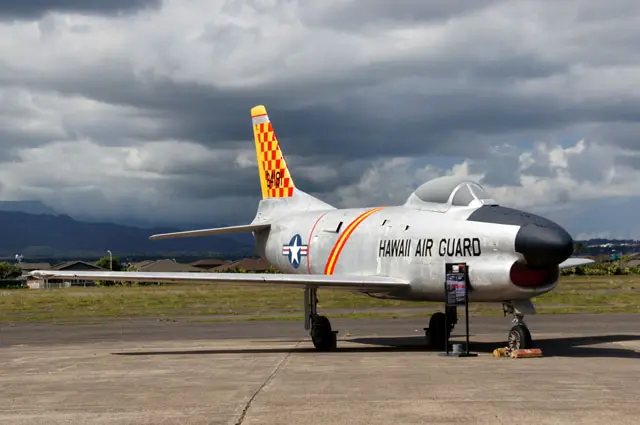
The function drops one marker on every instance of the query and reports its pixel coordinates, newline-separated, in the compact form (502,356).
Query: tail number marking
(274,179)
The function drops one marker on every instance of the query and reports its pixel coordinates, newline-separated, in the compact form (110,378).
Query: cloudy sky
(139,109)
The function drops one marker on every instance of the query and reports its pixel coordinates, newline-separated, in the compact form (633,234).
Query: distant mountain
(60,236)
(29,207)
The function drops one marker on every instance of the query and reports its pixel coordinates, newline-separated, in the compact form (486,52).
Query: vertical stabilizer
(275,178)
(280,197)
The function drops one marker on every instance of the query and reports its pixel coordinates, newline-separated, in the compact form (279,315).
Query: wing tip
(576,262)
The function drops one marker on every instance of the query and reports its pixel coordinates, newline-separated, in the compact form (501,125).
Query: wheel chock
(527,353)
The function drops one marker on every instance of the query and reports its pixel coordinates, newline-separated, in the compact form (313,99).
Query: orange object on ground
(527,353)
(500,352)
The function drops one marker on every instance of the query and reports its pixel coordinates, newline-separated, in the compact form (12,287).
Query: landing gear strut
(323,337)
(519,335)
(440,327)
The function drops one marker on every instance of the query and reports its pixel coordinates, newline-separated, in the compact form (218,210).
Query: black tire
(438,335)
(322,335)
(520,338)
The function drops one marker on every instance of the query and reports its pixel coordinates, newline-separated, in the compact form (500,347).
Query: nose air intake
(543,246)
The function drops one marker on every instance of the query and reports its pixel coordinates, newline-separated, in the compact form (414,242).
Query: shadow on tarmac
(582,346)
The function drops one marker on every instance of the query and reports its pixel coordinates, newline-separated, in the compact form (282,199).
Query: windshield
(479,192)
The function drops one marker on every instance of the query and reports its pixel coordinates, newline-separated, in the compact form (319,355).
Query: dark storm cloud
(601,12)
(361,13)
(632,161)
(538,169)
(582,167)
(617,216)
(501,168)
(429,121)
(623,134)
(332,171)
(190,177)
(13,139)
(35,9)
(210,186)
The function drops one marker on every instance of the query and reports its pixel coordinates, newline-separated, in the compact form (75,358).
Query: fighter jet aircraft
(393,252)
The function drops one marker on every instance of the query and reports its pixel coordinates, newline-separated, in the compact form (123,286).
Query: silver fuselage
(402,242)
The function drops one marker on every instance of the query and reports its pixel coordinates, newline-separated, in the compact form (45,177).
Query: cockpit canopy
(443,193)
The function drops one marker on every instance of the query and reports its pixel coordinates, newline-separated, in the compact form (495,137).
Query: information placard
(456,284)
(456,287)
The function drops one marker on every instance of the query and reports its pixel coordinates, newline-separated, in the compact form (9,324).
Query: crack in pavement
(266,382)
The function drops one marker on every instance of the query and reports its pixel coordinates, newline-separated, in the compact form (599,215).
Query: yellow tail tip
(258,110)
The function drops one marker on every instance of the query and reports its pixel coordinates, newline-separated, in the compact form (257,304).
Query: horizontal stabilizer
(575,262)
(362,283)
(211,232)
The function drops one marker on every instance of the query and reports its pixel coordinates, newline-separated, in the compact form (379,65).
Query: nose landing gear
(519,336)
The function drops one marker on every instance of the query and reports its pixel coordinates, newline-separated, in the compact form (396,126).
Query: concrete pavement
(145,372)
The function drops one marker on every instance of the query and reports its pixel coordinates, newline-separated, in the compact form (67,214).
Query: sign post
(456,287)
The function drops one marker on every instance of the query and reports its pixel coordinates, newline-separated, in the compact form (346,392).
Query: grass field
(584,294)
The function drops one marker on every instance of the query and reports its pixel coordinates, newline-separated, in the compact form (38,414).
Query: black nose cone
(541,241)
(544,245)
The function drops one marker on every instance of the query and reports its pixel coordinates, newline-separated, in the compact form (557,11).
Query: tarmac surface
(186,371)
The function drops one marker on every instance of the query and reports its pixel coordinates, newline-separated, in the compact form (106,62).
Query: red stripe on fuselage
(309,242)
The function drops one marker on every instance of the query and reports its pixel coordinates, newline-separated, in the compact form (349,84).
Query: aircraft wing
(213,231)
(574,262)
(349,282)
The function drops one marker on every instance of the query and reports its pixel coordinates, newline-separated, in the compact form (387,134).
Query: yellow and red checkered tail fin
(275,178)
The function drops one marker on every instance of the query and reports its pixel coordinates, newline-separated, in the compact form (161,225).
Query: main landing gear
(323,337)
(440,327)
(519,335)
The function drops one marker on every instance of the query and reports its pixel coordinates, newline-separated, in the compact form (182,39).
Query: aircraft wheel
(437,329)
(520,338)
(324,339)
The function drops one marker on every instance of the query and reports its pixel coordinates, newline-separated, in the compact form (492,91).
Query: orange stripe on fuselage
(342,240)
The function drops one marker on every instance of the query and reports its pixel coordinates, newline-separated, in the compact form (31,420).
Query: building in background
(255,265)
(209,263)
(57,283)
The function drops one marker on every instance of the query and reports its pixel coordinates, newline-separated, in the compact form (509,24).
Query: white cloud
(581,172)
(567,183)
